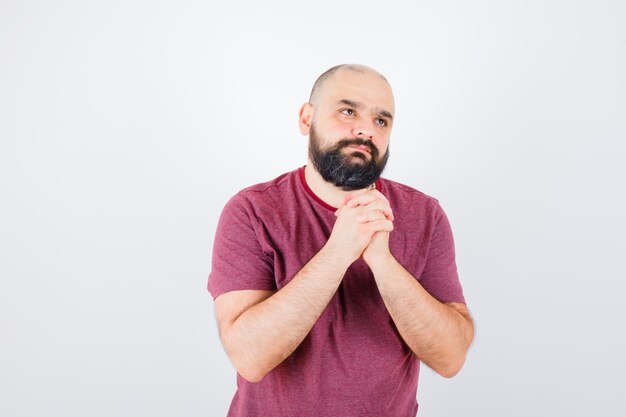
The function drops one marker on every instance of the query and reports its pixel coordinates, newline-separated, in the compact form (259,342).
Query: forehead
(363,87)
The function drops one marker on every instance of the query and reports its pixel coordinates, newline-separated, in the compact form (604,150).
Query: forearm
(439,335)
(267,333)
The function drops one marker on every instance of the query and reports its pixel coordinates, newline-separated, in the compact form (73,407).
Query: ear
(305,118)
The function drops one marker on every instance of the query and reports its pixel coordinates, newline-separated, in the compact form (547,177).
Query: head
(348,119)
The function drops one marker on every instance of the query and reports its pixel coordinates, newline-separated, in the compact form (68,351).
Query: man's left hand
(378,248)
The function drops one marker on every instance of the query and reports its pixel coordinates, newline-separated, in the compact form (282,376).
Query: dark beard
(349,171)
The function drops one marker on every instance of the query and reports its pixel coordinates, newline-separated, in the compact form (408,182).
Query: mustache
(358,142)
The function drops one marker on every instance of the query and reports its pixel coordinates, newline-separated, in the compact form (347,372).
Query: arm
(263,335)
(439,334)
(260,329)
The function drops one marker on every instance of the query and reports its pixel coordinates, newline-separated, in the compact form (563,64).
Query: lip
(361,148)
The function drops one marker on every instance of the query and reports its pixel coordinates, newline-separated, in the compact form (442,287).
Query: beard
(347,170)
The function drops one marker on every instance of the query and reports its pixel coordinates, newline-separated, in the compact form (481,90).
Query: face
(349,125)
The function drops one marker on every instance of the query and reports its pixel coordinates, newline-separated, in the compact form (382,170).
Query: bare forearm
(267,333)
(439,335)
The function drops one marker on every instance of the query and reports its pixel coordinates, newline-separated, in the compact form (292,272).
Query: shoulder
(275,185)
(402,196)
(266,194)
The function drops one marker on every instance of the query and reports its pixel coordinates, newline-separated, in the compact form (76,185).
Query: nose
(363,131)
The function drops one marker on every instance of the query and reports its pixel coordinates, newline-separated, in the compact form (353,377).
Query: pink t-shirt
(353,362)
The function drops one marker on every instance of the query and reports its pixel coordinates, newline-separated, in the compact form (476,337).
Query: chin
(360,156)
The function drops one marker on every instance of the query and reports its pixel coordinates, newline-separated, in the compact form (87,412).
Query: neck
(325,191)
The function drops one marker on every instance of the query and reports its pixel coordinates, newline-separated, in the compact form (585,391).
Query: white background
(126,125)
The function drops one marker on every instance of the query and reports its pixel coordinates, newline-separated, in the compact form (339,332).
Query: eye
(348,112)
(381,122)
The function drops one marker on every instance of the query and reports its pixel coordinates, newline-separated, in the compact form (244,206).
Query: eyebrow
(356,105)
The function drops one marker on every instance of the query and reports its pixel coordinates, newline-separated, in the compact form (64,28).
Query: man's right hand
(356,225)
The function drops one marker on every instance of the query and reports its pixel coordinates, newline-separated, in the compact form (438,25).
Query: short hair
(321,80)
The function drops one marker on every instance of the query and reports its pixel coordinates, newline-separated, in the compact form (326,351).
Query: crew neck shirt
(353,362)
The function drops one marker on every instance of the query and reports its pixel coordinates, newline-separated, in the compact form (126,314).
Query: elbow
(244,366)
(455,363)
(451,368)
(250,374)
(448,372)
(249,369)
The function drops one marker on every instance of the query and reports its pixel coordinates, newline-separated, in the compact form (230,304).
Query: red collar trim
(316,198)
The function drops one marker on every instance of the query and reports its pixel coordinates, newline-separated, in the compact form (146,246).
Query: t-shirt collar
(315,197)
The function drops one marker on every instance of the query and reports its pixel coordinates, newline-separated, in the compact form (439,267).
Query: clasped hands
(364,220)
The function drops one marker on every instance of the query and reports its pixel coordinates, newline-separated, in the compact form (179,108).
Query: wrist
(379,260)
(337,255)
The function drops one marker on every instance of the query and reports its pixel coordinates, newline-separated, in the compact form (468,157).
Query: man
(331,284)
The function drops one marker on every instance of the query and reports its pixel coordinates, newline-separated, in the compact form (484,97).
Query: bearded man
(332,284)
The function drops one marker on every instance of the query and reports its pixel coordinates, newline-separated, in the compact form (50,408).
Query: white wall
(125,126)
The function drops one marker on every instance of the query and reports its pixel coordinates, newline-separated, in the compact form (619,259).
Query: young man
(331,284)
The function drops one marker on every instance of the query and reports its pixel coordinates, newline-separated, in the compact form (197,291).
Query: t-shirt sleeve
(440,277)
(238,261)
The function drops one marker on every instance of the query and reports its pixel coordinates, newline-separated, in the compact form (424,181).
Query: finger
(388,213)
(381,197)
(382,206)
(369,195)
(369,198)
(382,225)
(370,215)
(361,200)
(376,206)
(352,196)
